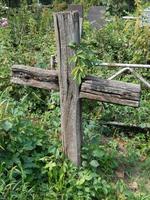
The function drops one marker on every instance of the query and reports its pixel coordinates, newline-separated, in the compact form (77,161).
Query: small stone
(133,186)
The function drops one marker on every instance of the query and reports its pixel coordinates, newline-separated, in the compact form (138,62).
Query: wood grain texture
(35,77)
(92,87)
(116,92)
(67,30)
(79,8)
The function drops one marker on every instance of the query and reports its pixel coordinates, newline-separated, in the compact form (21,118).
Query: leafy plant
(84,59)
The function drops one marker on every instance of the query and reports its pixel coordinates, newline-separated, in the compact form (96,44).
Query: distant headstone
(79,8)
(146,17)
(96,16)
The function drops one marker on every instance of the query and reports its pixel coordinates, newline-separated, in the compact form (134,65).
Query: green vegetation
(115,165)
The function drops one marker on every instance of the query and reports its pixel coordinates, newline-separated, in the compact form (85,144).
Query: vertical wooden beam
(79,8)
(67,30)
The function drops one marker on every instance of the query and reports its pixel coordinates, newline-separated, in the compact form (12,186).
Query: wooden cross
(67,29)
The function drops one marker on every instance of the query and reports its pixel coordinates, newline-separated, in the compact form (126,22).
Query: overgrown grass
(32,164)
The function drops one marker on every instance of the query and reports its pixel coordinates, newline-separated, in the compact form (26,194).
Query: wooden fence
(67,29)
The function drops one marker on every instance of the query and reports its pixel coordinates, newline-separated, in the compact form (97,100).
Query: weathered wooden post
(67,30)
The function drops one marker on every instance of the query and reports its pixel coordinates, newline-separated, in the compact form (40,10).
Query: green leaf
(50,165)
(28,146)
(94,163)
(7,125)
(98,153)
(72,45)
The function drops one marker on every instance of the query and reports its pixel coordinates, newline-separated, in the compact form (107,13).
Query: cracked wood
(67,30)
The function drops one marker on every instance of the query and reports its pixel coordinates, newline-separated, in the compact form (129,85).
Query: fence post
(67,30)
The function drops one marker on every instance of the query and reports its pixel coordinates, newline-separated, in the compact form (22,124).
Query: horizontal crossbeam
(35,77)
(111,91)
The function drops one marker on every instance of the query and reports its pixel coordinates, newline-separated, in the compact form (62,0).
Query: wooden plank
(79,8)
(35,77)
(104,97)
(35,72)
(91,87)
(122,93)
(113,83)
(111,91)
(67,30)
(36,84)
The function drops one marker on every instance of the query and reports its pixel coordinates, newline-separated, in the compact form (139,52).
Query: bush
(122,41)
